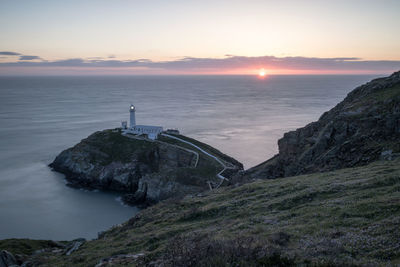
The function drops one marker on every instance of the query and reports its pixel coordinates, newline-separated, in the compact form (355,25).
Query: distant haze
(122,37)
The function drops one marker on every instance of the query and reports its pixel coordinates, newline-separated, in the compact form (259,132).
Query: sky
(127,37)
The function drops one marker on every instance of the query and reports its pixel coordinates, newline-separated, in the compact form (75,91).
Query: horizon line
(199,74)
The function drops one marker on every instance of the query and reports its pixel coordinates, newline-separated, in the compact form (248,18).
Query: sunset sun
(261,73)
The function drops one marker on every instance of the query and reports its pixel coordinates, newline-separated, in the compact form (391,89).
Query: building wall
(151,131)
(132,119)
(124,125)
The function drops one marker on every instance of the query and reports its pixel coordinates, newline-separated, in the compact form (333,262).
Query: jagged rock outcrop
(74,245)
(147,171)
(363,128)
(7,259)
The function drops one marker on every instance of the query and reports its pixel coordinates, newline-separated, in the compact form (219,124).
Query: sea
(243,116)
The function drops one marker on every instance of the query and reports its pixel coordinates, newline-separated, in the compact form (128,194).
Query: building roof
(147,126)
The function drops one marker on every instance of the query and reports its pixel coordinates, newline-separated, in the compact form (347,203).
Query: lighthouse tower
(132,119)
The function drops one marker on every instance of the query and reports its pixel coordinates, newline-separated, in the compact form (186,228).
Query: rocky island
(145,170)
(339,204)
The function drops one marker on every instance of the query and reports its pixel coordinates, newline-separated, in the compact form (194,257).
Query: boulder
(75,245)
(7,259)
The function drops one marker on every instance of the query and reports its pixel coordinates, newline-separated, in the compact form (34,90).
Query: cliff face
(364,127)
(146,171)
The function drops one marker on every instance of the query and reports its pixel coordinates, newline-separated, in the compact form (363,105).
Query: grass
(387,93)
(112,146)
(346,217)
(204,146)
(207,168)
(382,97)
(26,246)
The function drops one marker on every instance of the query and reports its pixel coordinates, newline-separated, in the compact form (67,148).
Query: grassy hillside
(350,216)
(204,146)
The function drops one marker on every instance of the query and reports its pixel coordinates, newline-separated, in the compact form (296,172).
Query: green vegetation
(387,93)
(378,98)
(345,217)
(207,168)
(203,146)
(26,246)
(203,160)
(112,146)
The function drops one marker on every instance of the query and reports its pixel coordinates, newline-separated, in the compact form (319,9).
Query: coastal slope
(340,218)
(364,127)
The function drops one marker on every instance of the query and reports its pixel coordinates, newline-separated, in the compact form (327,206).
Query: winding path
(219,175)
(222,163)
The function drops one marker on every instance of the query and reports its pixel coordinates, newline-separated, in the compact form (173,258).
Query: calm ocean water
(243,116)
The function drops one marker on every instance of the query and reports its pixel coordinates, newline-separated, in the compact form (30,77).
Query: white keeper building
(151,132)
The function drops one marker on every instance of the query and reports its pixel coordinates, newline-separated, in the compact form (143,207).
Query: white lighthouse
(132,119)
(151,132)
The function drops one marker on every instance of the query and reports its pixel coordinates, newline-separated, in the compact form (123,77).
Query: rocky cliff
(364,127)
(146,171)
